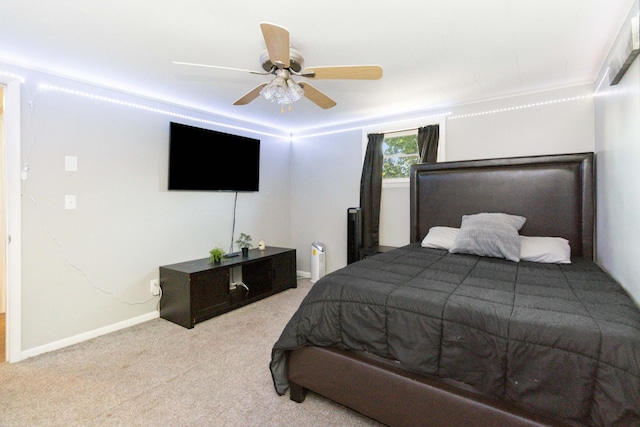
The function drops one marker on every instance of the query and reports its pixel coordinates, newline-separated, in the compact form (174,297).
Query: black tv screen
(207,160)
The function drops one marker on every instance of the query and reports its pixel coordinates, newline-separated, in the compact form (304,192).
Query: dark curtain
(371,191)
(428,137)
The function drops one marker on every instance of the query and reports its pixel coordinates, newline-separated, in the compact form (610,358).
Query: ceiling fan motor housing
(296,61)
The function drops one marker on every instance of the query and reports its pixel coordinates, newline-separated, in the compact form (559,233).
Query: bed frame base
(396,397)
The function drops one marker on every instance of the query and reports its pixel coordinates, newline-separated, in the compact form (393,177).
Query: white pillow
(552,250)
(440,238)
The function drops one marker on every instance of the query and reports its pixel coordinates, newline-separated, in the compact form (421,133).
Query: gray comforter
(561,340)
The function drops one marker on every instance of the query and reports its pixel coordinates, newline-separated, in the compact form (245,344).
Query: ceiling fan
(283,61)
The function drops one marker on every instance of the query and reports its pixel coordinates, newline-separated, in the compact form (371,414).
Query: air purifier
(354,234)
(317,261)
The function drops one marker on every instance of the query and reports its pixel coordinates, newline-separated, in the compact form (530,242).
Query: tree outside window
(400,151)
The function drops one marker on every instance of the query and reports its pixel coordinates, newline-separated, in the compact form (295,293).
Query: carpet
(160,374)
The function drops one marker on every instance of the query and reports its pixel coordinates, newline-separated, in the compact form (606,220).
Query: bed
(445,335)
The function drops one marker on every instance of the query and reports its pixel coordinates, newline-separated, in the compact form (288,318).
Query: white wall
(617,115)
(326,169)
(547,122)
(89,268)
(325,182)
(394,216)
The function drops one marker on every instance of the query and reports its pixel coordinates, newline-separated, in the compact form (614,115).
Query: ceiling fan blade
(357,72)
(277,40)
(317,97)
(218,67)
(250,96)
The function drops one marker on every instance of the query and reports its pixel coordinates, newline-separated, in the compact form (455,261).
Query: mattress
(562,340)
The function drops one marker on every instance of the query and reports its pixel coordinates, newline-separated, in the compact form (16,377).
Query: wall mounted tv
(207,160)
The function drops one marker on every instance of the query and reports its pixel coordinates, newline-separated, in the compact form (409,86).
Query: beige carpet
(161,374)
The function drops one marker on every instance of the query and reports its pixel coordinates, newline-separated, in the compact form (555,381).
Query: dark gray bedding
(561,340)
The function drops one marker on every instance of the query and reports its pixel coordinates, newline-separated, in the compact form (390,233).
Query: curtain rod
(405,130)
(393,131)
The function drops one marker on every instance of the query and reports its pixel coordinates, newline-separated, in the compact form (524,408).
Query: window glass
(400,151)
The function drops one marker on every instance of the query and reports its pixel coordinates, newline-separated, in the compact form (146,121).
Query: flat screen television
(207,160)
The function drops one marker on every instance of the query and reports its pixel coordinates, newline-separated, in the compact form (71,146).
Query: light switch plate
(70,201)
(71,163)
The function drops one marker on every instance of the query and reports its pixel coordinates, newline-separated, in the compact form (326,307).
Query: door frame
(12,194)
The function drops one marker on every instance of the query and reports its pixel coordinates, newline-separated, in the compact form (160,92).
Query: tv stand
(198,290)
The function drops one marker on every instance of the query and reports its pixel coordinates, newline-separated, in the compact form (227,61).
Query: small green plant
(216,254)
(244,241)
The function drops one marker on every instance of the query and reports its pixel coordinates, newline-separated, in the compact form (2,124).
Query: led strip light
(12,76)
(520,107)
(153,109)
(447,115)
(374,124)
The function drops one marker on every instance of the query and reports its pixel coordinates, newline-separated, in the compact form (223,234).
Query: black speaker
(354,234)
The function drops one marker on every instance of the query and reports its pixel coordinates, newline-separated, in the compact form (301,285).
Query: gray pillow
(490,234)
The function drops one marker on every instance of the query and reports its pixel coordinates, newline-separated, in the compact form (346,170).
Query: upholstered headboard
(555,193)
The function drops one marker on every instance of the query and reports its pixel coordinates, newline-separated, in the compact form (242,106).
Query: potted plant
(216,255)
(244,243)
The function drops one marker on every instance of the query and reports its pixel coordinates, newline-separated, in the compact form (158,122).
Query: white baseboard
(304,274)
(88,335)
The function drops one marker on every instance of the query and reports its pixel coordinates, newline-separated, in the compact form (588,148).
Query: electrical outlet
(155,287)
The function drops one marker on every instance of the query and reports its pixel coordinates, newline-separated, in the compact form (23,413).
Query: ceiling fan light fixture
(282,90)
(295,90)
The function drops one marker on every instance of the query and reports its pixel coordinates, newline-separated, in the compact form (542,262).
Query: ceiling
(434,53)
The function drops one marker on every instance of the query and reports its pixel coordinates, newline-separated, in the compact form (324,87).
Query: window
(400,148)
(400,151)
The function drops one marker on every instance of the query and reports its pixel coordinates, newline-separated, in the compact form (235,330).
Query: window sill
(395,183)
